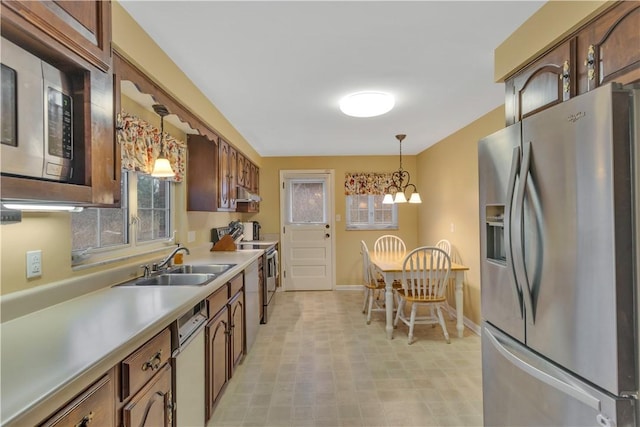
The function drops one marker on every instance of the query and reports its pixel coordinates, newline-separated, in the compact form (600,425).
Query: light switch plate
(34,264)
(191,236)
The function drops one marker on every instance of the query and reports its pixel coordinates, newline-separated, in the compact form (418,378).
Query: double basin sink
(183,275)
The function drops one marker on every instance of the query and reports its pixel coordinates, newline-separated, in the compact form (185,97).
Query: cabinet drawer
(140,366)
(153,406)
(95,406)
(236,284)
(218,299)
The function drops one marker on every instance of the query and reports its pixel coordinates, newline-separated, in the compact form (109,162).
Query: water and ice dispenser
(495,233)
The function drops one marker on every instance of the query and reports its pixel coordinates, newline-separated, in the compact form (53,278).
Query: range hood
(245,195)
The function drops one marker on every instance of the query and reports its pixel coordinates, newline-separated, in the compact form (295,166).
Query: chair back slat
(390,246)
(425,272)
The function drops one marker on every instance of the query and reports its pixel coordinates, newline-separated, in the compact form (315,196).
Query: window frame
(134,246)
(371,224)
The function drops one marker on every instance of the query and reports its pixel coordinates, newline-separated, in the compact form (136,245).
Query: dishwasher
(189,364)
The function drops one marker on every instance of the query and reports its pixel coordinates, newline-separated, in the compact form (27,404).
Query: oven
(270,274)
(271,270)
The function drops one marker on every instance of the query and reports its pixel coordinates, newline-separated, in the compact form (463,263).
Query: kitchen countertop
(50,355)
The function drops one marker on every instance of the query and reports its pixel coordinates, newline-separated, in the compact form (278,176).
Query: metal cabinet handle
(154,362)
(86,420)
(566,77)
(590,62)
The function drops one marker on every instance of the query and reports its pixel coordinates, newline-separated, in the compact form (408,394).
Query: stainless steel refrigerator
(559,265)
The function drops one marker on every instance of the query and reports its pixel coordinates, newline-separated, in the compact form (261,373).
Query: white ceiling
(277,69)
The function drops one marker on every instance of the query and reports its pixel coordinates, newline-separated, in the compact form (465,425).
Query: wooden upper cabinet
(243,177)
(544,83)
(609,49)
(604,50)
(202,174)
(84,27)
(228,166)
(74,37)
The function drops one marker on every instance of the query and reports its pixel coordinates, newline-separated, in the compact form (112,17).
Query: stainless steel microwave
(36,126)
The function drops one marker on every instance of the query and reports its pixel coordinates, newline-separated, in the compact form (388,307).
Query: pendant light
(162,167)
(400,181)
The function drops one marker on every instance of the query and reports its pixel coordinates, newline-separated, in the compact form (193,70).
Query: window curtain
(369,183)
(140,146)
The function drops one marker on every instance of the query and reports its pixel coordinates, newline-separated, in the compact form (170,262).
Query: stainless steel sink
(179,279)
(204,269)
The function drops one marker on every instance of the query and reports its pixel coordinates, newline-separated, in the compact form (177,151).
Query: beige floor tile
(317,363)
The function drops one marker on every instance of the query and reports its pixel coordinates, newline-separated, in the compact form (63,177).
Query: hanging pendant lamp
(162,167)
(400,182)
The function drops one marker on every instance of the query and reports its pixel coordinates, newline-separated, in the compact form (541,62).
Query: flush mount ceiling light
(400,182)
(367,104)
(162,167)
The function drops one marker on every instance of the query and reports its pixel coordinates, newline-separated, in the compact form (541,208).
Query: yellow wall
(448,182)
(348,261)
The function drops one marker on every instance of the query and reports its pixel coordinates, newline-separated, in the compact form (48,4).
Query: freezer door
(577,238)
(522,389)
(498,167)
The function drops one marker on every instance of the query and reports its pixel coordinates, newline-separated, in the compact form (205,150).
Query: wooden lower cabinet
(216,358)
(236,312)
(94,406)
(225,340)
(153,405)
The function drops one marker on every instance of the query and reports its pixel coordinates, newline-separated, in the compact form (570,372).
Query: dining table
(390,267)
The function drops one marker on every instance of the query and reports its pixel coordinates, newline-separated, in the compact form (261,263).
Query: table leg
(459,304)
(388,304)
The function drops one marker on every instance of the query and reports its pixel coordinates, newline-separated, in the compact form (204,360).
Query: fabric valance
(140,146)
(369,183)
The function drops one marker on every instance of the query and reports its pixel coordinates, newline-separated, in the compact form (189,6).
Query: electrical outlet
(34,264)
(191,236)
(453,227)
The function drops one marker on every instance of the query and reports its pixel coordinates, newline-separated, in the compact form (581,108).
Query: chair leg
(398,312)
(443,325)
(366,298)
(371,291)
(412,322)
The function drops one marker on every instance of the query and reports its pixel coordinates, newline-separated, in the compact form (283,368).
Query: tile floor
(317,363)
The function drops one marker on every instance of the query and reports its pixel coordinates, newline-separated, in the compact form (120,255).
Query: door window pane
(307,202)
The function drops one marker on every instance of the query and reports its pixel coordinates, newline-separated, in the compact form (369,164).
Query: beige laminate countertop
(50,355)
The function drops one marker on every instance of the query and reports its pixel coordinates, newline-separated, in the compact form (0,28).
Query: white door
(307,239)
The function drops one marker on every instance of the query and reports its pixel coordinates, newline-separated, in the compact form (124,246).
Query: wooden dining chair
(389,246)
(425,274)
(445,245)
(373,285)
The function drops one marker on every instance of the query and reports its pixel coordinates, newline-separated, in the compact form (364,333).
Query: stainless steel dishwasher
(189,367)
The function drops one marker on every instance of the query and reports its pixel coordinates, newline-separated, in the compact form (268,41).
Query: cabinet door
(544,83)
(224,175)
(153,405)
(216,358)
(82,26)
(608,49)
(236,308)
(95,406)
(202,174)
(242,177)
(233,177)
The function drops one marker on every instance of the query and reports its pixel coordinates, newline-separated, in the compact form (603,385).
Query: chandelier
(400,182)
(162,167)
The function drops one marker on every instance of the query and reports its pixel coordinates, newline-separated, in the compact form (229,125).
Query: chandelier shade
(162,166)
(396,192)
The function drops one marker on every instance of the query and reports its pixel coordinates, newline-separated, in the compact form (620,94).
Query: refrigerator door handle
(520,267)
(542,376)
(513,173)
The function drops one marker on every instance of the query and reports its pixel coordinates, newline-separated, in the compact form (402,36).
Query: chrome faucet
(165,262)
